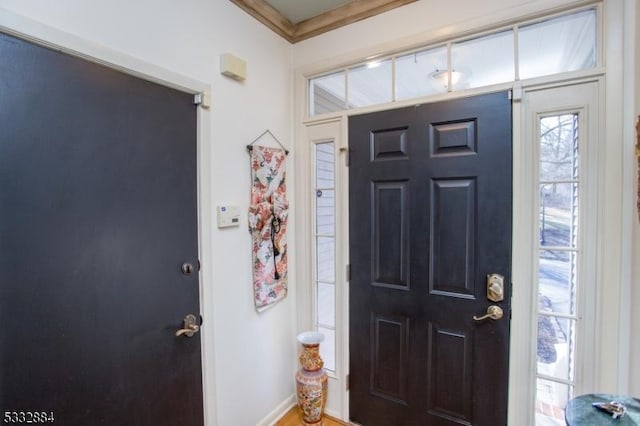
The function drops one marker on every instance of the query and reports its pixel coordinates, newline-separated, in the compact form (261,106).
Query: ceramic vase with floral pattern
(311,379)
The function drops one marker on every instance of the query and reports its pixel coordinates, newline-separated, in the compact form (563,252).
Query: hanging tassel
(275,228)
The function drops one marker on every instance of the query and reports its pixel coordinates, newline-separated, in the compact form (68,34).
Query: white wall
(254,353)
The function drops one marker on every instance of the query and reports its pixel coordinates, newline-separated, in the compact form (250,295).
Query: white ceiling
(300,10)
(297,20)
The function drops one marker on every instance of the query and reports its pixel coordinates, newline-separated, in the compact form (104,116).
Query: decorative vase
(311,379)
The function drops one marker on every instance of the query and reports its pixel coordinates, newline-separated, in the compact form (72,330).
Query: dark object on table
(614,408)
(580,411)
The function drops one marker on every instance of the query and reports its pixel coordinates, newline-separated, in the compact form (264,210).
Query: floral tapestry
(268,216)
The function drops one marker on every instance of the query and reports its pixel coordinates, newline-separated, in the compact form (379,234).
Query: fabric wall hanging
(268,216)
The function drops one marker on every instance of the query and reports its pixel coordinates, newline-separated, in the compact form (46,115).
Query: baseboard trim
(334,414)
(275,415)
(283,408)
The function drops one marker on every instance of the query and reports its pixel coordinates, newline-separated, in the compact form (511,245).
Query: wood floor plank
(293,417)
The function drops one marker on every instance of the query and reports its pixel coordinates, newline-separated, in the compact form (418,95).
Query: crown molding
(330,20)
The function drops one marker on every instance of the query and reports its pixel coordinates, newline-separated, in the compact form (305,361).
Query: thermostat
(228,216)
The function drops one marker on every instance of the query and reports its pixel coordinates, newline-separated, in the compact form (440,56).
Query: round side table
(580,412)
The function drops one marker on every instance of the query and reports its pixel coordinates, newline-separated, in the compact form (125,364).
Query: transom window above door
(554,45)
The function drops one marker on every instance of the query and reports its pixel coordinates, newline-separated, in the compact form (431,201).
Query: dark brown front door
(97,214)
(430,218)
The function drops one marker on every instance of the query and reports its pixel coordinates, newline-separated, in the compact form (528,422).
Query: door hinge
(199,266)
(348,272)
(515,94)
(347,381)
(203,99)
(347,157)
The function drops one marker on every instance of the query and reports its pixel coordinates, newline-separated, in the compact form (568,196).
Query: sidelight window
(325,250)
(559,187)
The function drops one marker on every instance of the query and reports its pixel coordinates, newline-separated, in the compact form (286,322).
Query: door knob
(494,312)
(190,326)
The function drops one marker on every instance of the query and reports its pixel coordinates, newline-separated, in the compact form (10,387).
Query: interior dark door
(430,218)
(97,214)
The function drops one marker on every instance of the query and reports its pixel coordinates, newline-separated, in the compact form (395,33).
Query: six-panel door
(430,218)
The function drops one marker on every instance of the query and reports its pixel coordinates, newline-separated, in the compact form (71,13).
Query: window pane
(325,211)
(415,73)
(325,165)
(325,249)
(567,43)
(328,348)
(370,84)
(557,281)
(559,214)
(326,304)
(559,147)
(483,61)
(556,346)
(551,398)
(327,93)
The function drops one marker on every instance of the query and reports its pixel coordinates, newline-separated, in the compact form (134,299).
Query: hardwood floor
(294,418)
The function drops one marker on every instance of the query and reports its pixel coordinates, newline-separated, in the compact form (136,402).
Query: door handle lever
(494,312)
(190,326)
(188,331)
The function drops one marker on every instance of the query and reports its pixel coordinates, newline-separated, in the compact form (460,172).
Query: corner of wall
(282,408)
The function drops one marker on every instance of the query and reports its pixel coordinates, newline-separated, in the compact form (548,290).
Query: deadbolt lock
(495,287)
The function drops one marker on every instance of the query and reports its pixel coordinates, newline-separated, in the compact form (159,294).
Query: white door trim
(584,99)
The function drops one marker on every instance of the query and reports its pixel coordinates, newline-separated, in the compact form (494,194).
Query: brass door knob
(190,328)
(494,312)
